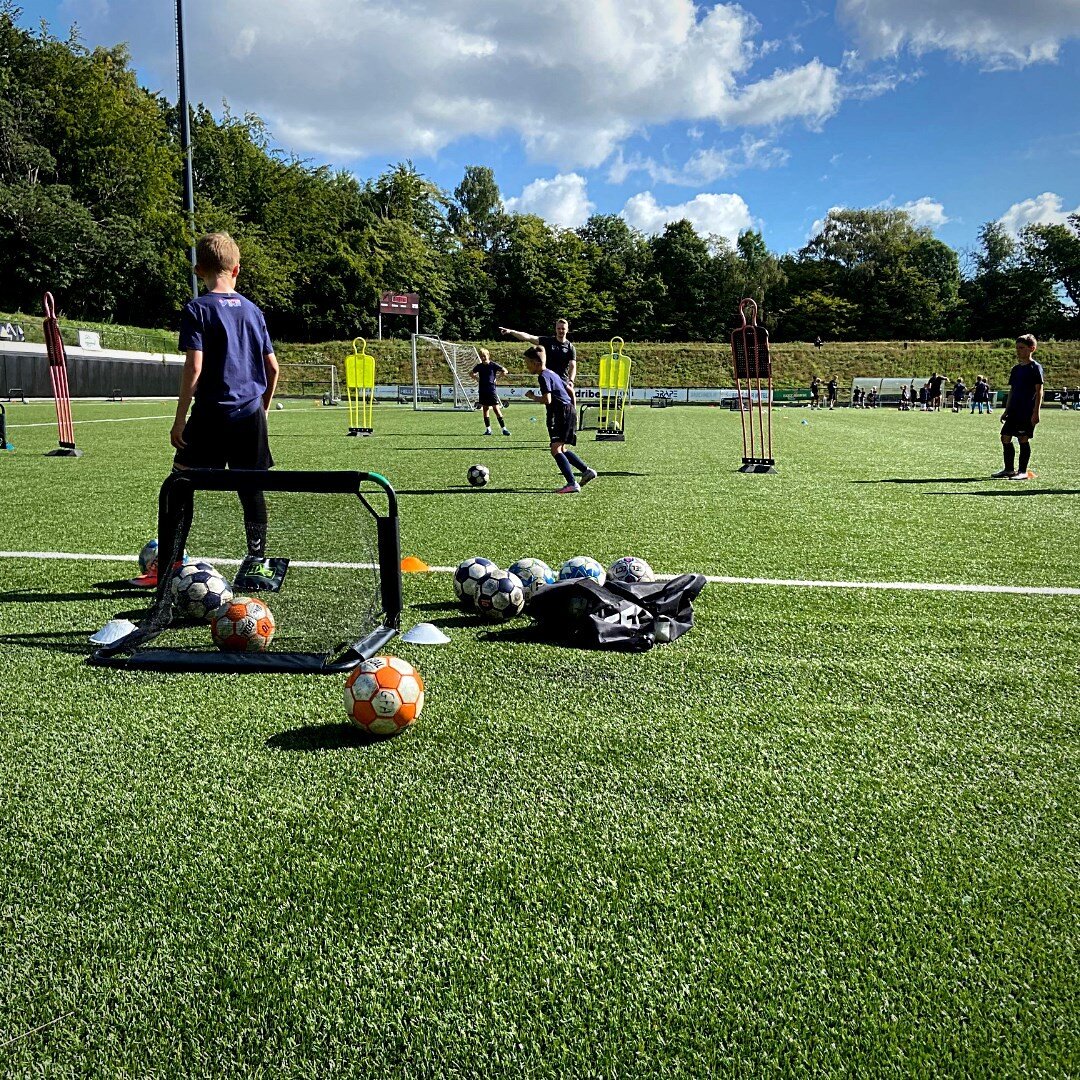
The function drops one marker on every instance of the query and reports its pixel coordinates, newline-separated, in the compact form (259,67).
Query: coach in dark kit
(559,350)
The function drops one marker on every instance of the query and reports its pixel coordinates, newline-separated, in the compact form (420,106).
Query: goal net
(316,381)
(331,579)
(441,378)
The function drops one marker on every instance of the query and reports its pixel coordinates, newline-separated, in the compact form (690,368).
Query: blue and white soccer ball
(534,575)
(468,578)
(501,596)
(148,557)
(198,590)
(478,475)
(629,570)
(582,566)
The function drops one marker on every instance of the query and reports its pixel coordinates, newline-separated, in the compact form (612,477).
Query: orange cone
(412,565)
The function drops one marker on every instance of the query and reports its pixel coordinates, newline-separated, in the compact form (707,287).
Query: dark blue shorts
(489,399)
(1015,426)
(216,442)
(562,423)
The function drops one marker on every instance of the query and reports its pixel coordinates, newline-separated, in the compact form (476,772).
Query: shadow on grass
(928,480)
(316,737)
(70,641)
(1012,493)
(123,585)
(27,596)
(444,605)
(489,448)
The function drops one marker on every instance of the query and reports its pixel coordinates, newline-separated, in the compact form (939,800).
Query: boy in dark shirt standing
(487,373)
(561,420)
(230,373)
(830,392)
(1022,407)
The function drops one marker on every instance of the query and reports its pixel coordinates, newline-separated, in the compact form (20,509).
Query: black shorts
(562,423)
(488,399)
(1015,426)
(214,441)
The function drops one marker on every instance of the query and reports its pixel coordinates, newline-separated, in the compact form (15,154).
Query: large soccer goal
(333,549)
(441,378)
(317,381)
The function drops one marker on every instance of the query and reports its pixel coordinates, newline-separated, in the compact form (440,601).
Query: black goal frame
(176,502)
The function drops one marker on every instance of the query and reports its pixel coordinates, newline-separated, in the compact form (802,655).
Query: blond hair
(483,354)
(217,253)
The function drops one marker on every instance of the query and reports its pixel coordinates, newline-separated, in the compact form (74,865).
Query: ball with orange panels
(243,625)
(384,695)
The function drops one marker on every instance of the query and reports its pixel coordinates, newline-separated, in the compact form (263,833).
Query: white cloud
(926,211)
(704,166)
(562,201)
(724,215)
(355,78)
(1044,209)
(997,33)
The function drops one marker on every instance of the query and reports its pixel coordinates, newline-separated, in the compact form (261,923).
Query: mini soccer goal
(331,581)
(318,382)
(437,362)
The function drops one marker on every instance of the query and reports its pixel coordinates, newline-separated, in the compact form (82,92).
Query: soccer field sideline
(714,579)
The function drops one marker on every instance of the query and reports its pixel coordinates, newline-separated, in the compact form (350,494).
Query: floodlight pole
(185,144)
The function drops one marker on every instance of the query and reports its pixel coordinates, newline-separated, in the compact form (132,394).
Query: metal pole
(185,143)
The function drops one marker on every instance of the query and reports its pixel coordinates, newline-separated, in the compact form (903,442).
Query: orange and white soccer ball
(384,695)
(243,625)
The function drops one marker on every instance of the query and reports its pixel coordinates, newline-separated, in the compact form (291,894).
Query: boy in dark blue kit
(487,373)
(1021,408)
(230,373)
(561,420)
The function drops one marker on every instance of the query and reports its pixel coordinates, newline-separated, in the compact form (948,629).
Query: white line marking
(799,583)
(79,423)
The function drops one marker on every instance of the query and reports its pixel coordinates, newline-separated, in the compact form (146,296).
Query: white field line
(79,423)
(798,583)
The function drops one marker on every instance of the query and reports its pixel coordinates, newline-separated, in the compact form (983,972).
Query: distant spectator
(815,393)
(830,390)
(905,399)
(1063,397)
(872,401)
(818,342)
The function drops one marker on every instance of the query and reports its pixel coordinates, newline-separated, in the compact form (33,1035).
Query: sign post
(392,303)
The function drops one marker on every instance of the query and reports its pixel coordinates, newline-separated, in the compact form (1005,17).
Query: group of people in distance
(831,391)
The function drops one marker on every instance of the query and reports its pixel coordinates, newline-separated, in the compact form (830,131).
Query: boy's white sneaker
(1022,476)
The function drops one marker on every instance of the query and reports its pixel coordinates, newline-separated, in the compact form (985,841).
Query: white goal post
(309,381)
(436,356)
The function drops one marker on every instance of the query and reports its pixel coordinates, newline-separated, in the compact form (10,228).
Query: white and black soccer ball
(148,557)
(582,566)
(478,475)
(469,576)
(198,590)
(629,570)
(534,575)
(501,596)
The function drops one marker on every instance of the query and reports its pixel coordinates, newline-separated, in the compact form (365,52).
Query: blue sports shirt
(231,333)
(552,384)
(1024,380)
(486,375)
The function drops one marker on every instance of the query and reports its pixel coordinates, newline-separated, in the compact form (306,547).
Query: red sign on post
(392,303)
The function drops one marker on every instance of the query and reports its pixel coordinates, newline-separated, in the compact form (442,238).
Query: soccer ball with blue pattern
(198,590)
(534,575)
(501,596)
(468,578)
(478,475)
(148,557)
(582,566)
(629,570)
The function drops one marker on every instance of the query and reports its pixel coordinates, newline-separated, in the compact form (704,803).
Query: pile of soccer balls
(499,595)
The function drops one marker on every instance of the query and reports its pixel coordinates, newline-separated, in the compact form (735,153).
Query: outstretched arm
(521,336)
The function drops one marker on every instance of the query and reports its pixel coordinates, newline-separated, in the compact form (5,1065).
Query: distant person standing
(959,394)
(905,399)
(936,383)
(830,392)
(487,373)
(980,396)
(1022,406)
(559,351)
(815,393)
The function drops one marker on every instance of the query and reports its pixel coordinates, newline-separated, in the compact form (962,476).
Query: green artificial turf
(828,832)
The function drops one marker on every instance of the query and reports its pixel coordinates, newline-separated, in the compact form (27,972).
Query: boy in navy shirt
(561,420)
(486,373)
(1022,407)
(230,373)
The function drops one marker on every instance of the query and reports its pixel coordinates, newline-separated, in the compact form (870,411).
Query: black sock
(576,461)
(1010,457)
(564,468)
(1025,456)
(254,503)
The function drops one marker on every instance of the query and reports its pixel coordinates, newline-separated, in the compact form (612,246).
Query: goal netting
(441,378)
(332,544)
(315,381)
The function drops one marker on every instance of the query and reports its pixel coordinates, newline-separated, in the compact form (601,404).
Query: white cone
(112,632)
(425,633)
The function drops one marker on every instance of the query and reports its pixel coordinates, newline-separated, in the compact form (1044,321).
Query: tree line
(90,208)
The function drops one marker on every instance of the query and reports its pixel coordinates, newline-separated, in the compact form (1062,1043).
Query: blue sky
(765,114)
